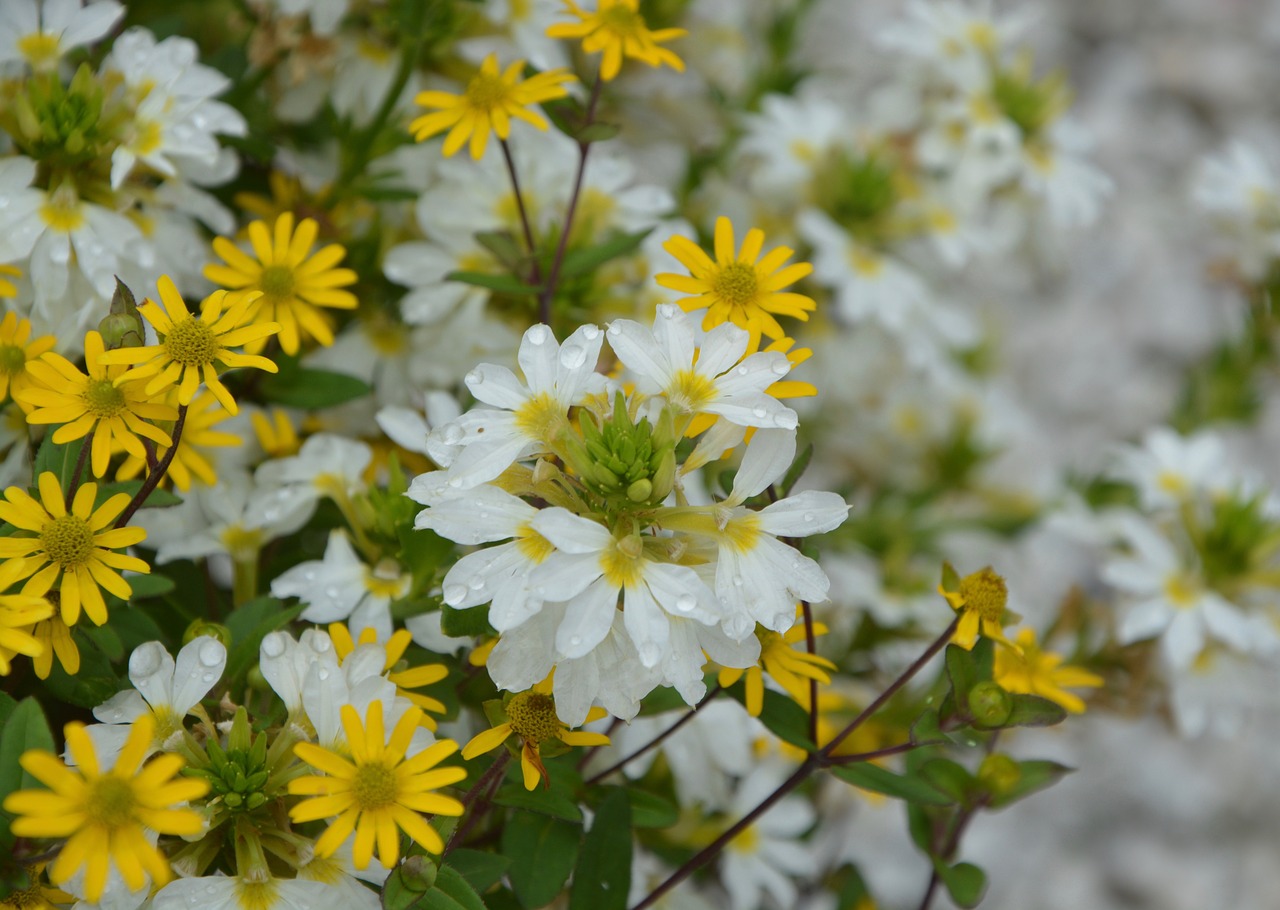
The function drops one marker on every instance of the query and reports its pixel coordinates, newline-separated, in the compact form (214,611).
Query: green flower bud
(203,627)
(999,773)
(990,704)
(418,873)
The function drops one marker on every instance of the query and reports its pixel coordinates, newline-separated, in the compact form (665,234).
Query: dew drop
(686,602)
(737,581)
(475,377)
(742,370)
(211,653)
(309,575)
(322,672)
(758,412)
(614,330)
(575,640)
(452,434)
(590,332)
(573,356)
(537,334)
(331,592)
(781,367)
(808,516)
(455,482)
(454,593)
(273,644)
(145,660)
(208,678)
(476,582)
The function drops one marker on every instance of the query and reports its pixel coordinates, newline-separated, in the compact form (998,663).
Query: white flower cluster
(608,574)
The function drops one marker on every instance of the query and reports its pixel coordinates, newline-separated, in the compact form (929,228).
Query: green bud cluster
(1031,105)
(1240,539)
(60,125)
(626,462)
(237,774)
(861,192)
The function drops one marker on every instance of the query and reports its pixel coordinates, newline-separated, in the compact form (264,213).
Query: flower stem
(584,148)
(525,225)
(810,643)
(477,803)
(154,478)
(653,743)
(79,469)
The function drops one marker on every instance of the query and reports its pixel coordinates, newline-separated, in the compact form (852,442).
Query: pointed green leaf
(602,876)
(965,882)
(543,851)
(876,779)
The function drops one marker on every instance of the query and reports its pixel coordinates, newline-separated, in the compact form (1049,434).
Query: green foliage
(481,870)
(784,718)
(602,876)
(543,851)
(305,387)
(910,787)
(249,624)
(965,882)
(60,459)
(22,727)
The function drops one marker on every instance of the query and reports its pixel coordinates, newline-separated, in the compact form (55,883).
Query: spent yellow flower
(377,792)
(1021,667)
(980,598)
(617,29)
(105,814)
(293,283)
(98,404)
(791,667)
(191,347)
(739,287)
(17,351)
(487,105)
(531,716)
(73,549)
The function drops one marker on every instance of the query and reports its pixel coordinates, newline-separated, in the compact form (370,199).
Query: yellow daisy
(487,105)
(98,405)
(105,814)
(275,431)
(406,678)
(1022,668)
(980,598)
(740,288)
(73,549)
(788,665)
(190,463)
(19,613)
(17,351)
(55,640)
(192,346)
(617,28)
(293,282)
(377,792)
(531,715)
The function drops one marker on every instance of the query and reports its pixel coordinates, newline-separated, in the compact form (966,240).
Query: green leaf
(1034,711)
(949,778)
(966,669)
(876,779)
(649,810)
(602,876)
(481,870)
(408,884)
(784,718)
(950,577)
(597,132)
(588,259)
(503,245)
(467,622)
(503,284)
(422,550)
(249,623)
(926,730)
(451,892)
(24,727)
(796,471)
(92,684)
(145,586)
(965,882)
(60,459)
(311,389)
(542,851)
(1034,775)
(553,802)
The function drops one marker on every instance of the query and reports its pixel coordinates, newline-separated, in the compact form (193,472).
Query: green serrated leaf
(965,882)
(876,779)
(23,728)
(311,389)
(503,284)
(582,261)
(481,870)
(543,851)
(602,876)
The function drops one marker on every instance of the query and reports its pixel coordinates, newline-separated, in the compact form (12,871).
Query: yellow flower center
(148,138)
(192,343)
(242,543)
(737,284)
(29,896)
(985,593)
(539,416)
(110,802)
(374,787)
(742,532)
(622,20)
(167,724)
(68,540)
(690,392)
(746,842)
(41,50)
(532,545)
(485,92)
(63,211)
(533,717)
(1182,590)
(102,399)
(621,563)
(277,282)
(13,359)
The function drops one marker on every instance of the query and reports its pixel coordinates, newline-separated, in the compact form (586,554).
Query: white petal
(766,461)
(1145,619)
(199,667)
(483,514)
(587,620)
(810,512)
(151,672)
(570,532)
(498,386)
(646,625)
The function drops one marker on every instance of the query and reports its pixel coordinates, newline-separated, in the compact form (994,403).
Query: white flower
(1170,599)
(1239,191)
(409,428)
(558,377)
(326,465)
(955,40)
(285,662)
(788,139)
(223,892)
(40,32)
(163,687)
(765,857)
(1170,469)
(339,874)
(341,587)
(1054,168)
(707,378)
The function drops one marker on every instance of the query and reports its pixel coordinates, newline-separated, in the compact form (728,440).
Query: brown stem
(79,469)
(653,743)
(524,214)
(154,478)
(549,290)
(475,801)
(810,643)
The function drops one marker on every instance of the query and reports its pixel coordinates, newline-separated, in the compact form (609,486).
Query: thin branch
(80,462)
(154,478)
(477,799)
(525,224)
(811,645)
(653,743)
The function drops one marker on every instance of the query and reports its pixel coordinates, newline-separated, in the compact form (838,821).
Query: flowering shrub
(344,474)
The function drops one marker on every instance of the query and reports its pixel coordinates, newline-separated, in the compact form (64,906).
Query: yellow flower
(487,105)
(98,405)
(405,678)
(618,29)
(105,814)
(292,282)
(739,287)
(72,549)
(980,597)
(378,792)
(19,614)
(192,346)
(790,667)
(275,432)
(190,464)
(55,640)
(17,353)
(1023,669)
(531,715)
(7,287)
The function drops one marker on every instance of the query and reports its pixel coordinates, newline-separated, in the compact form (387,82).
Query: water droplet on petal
(331,592)
(211,653)
(737,581)
(686,602)
(475,377)
(537,334)
(476,582)
(758,412)
(145,659)
(742,370)
(322,672)
(309,575)
(273,644)
(590,332)
(614,330)
(208,678)
(572,356)
(452,434)
(575,640)
(808,516)
(781,367)
(454,593)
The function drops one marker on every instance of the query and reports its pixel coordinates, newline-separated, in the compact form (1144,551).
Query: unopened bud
(122,327)
(999,773)
(990,704)
(204,627)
